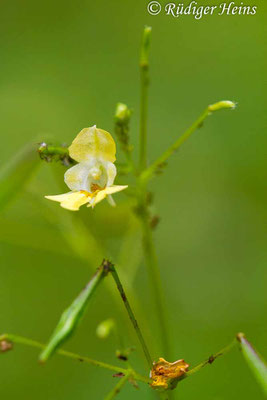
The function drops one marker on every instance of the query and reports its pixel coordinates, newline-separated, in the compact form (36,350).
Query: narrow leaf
(256,363)
(73,314)
(15,174)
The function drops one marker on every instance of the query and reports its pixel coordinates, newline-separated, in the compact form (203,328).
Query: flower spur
(91,179)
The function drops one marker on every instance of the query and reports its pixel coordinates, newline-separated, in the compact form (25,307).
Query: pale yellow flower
(91,180)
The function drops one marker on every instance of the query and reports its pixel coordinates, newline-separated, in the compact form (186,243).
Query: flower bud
(122,120)
(221,105)
(122,113)
(105,328)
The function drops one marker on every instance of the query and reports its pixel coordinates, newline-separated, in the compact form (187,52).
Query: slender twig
(155,280)
(29,342)
(210,360)
(144,77)
(131,315)
(119,386)
(159,162)
(148,245)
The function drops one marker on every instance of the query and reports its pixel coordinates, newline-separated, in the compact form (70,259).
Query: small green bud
(122,113)
(122,119)
(145,47)
(221,105)
(105,328)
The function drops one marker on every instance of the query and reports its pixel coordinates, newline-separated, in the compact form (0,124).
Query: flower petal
(93,142)
(71,200)
(111,173)
(101,195)
(115,188)
(76,177)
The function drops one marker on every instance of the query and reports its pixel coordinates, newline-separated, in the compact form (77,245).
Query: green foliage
(256,363)
(72,315)
(86,247)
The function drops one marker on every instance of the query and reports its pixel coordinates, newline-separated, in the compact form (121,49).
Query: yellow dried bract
(164,374)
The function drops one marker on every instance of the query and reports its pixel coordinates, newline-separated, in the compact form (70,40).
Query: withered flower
(165,375)
(5,345)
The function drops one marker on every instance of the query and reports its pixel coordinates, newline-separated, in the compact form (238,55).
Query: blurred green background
(64,66)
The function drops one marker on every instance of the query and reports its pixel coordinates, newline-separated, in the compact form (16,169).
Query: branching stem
(119,385)
(131,315)
(29,342)
(148,173)
(211,359)
(155,280)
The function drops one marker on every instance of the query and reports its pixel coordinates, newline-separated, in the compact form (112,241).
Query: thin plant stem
(148,245)
(144,78)
(220,105)
(146,174)
(29,342)
(131,315)
(156,285)
(119,386)
(210,360)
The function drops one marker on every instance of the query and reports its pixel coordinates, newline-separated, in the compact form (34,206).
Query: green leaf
(256,363)
(73,314)
(15,174)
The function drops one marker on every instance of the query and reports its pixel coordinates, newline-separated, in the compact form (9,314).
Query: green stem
(226,104)
(210,360)
(33,343)
(144,78)
(131,315)
(149,250)
(155,280)
(119,386)
(146,175)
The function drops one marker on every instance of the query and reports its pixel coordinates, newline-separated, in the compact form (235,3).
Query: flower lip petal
(93,142)
(71,200)
(102,194)
(115,188)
